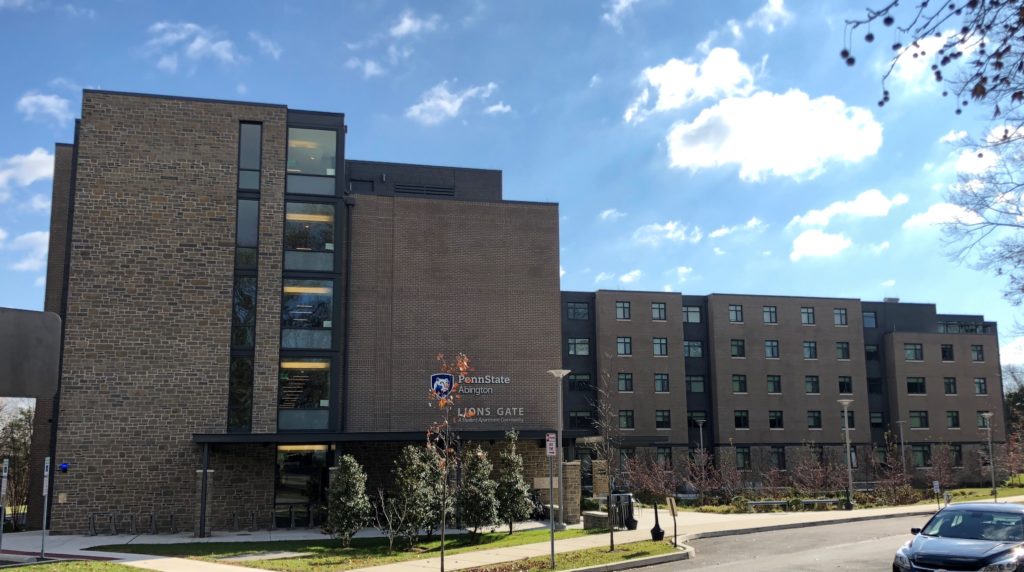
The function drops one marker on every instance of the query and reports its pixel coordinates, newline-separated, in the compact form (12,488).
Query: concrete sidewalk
(691,525)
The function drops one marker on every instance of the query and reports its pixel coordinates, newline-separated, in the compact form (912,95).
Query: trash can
(624,517)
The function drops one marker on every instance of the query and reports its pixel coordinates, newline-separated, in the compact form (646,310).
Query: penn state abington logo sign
(441,384)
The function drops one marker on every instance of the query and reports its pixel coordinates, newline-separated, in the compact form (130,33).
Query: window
(693,349)
(692,418)
(950,385)
(659,311)
(580,382)
(691,314)
(774,384)
(743,458)
(918,419)
(625,454)
(739,383)
(807,316)
(303,393)
(913,352)
(695,383)
(240,395)
(871,352)
(915,386)
(663,456)
(842,350)
(947,352)
(810,350)
(775,419)
(311,161)
(249,151)
(247,234)
(977,353)
(626,419)
(845,384)
(581,420)
(770,314)
(875,386)
(921,456)
(839,316)
(953,419)
(980,386)
(622,311)
(660,346)
(662,419)
(624,345)
(850,422)
(625,381)
(577,310)
(243,312)
(771,349)
(309,237)
(814,419)
(579,346)
(306,313)
(982,420)
(661,383)
(811,384)
(777,457)
(957,452)
(870,320)
(738,348)
(876,419)
(736,313)
(741,419)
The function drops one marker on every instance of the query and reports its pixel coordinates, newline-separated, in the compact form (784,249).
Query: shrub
(347,505)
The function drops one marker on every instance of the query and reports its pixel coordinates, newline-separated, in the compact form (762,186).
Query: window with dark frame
(770,315)
(870,320)
(814,419)
(312,157)
(659,311)
(775,419)
(777,457)
(693,349)
(845,384)
(811,384)
(661,383)
(309,237)
(810,350)
(977,353)
(625,380)
(807,316)
(738,348)
(660,346)
(774,383)
(771,349)
(624,345)
(622,311)
(743,458)
(579,346)
(691,314)
(839,316)
(741,419)
(918,419)
(662,419)
(982,420)
(626,419)
(947,352)
(871,352)
(692,418)
(581,382)
(949,385)
(913,352)
(739,383)
(980,386)
(842,350)
(875,419)
(577,310)
(581,419)
(851,423)
(663,457)
(953,419)
(736,313)
(921,456)
(916,386)
(695,383)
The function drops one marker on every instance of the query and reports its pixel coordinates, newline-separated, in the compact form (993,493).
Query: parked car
(987,537)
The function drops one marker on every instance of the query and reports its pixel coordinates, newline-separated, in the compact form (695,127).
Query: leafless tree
(892,483)
(943,467)
(700,472)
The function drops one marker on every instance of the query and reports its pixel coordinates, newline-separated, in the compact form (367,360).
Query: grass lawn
(84,566)
(583,558)
(327,555)
(980,493)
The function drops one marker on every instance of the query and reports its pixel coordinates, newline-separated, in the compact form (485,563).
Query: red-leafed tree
(652,480)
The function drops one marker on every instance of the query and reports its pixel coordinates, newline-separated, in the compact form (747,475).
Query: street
(867,545)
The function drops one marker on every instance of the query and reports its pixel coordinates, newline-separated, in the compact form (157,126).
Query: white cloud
(438,104)
(170,40)
(3,237)
(815,243)
(785,135)
(41,281)
(611,215)
(880,248)
(15,4)
(766,253)
(667,288)
(78,12)
(770,15)
(975,162)
(39,203)
(561,271)
(266,45)
(888,283)
(870,203)
(941,213)
(617,10)
(241,89)
(370,68)
(35,244)
(1012,352)
(672,230)
(397,54)
(914,76)
(594,80)
(499,107)
(678,83)
(630,277)
(408,24)
(953,136)
(682,273)
(23,170)
(718,251)
(34,105)
(753,224)
(603,277)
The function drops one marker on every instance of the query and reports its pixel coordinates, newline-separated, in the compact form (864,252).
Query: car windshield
(977,525)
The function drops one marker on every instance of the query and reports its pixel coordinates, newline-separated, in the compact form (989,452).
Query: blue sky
(696,147)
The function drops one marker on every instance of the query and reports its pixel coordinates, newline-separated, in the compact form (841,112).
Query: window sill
(815,428)
(809,325)
(981,395)
(738,357)
(774,358)
(623,355)
(950,394)
(774,393)
(665,392)
(739,393)
(771,323)
(948,361)
(843,359)
(776,428)
(662,428)
(842,325)
(917,395)
(627,428)
(810,359)
(660,355)
(953,428)
(845,393)
(920,428)
(625,391)
(742,428)
(813,393)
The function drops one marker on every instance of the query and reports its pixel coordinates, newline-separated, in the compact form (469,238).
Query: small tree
(347,504)
(438,502)
(700,472)
(414,491)
(476,499)
(893,483)
(653,481)
(943,467)
(513,493)
(391,516)
(810,472)
(730,479)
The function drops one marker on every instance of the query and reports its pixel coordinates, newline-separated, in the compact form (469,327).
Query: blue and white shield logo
(441,384)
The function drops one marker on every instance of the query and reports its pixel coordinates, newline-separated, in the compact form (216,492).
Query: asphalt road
(866,545)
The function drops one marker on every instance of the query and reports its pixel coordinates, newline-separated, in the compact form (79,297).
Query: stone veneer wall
(149,302)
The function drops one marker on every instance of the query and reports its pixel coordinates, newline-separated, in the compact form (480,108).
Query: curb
(756,529)
(684,552)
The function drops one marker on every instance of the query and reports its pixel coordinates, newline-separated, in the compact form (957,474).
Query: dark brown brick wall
(149,299)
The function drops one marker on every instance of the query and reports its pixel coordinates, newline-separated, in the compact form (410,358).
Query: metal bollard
(92,524)
(291,517)
(174,528)
(252,519)
(234,522)
(273,519)
(113,522)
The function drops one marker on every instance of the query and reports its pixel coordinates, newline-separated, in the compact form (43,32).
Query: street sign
(551,440)
(671,505)
(935,487)
(46,477)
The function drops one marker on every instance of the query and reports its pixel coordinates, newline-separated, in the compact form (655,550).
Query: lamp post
(700,425)
(560,374)
(849,463)
(991,460)
(903,452)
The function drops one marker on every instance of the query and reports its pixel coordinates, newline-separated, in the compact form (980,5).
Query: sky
(711,147)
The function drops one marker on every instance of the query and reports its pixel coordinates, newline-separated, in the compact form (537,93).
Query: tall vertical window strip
(309,237)
(312,155)
(247,223)
(249,151)
(240,395)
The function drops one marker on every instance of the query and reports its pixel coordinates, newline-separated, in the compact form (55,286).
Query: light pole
(903,452)
(849,463)
(700,425)
(991,460)
(560,374)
